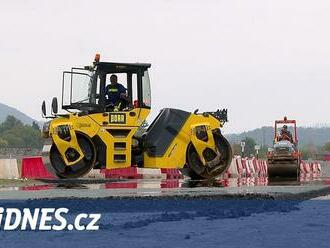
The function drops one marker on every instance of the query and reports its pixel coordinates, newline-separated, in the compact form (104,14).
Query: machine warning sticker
(117,118)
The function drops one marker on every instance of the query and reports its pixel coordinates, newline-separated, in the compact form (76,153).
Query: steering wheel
(285,136)
(109,107)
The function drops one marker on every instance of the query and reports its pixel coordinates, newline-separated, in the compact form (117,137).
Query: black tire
(197,171)
(79,169)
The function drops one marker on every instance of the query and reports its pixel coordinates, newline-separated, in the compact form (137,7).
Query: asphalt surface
(181,223)
(161,189)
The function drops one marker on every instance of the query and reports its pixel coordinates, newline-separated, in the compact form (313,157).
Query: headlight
(45,129)
(63,131)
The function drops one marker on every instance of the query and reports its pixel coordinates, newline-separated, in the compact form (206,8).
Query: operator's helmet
(285,127)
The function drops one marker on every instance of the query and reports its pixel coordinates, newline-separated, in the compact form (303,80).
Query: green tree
(35,126)
(3,143)
(9,123)
(309,151)
(249,146)
(16,135)
(263,152)
(236,148)
(326,147)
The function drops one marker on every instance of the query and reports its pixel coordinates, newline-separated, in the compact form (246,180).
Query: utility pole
(257,148)
(242,146)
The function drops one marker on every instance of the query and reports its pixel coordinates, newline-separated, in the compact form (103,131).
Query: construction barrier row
(252,167)
(244,167)
(309,171)
(253,172)
(245,181)
(247,171)
(310,168)
(34,168)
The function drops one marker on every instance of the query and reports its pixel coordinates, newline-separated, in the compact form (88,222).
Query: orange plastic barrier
(34,168)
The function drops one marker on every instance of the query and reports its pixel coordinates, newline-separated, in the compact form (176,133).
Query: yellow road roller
(93,132)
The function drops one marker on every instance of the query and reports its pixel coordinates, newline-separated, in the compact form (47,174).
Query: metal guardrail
(18,153)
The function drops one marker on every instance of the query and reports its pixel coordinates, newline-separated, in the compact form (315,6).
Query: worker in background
(116,94)
(286,134)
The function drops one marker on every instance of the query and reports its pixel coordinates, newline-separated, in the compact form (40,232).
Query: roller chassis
(94,137)
(284,159)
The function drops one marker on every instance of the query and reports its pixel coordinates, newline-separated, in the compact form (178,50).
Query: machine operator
(286,134)
(116,94)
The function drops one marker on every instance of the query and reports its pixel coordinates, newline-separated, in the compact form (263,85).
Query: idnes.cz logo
(46,219)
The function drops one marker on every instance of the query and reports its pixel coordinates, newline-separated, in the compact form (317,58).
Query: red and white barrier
(264,168)
(142,173)
(251,166)
(172,173)
(305,168)
(34,168)
(157,184)
(246,172)
(309,171)
(239,165)
(244,167)
(233,169)
(8,169)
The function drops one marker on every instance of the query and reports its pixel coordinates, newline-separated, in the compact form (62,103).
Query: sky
(260,59)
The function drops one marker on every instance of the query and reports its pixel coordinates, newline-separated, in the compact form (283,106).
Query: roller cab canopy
(113,67)
(85,88)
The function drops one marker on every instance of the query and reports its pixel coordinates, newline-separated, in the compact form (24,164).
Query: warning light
(97,57)
(285,118)
(136,103)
